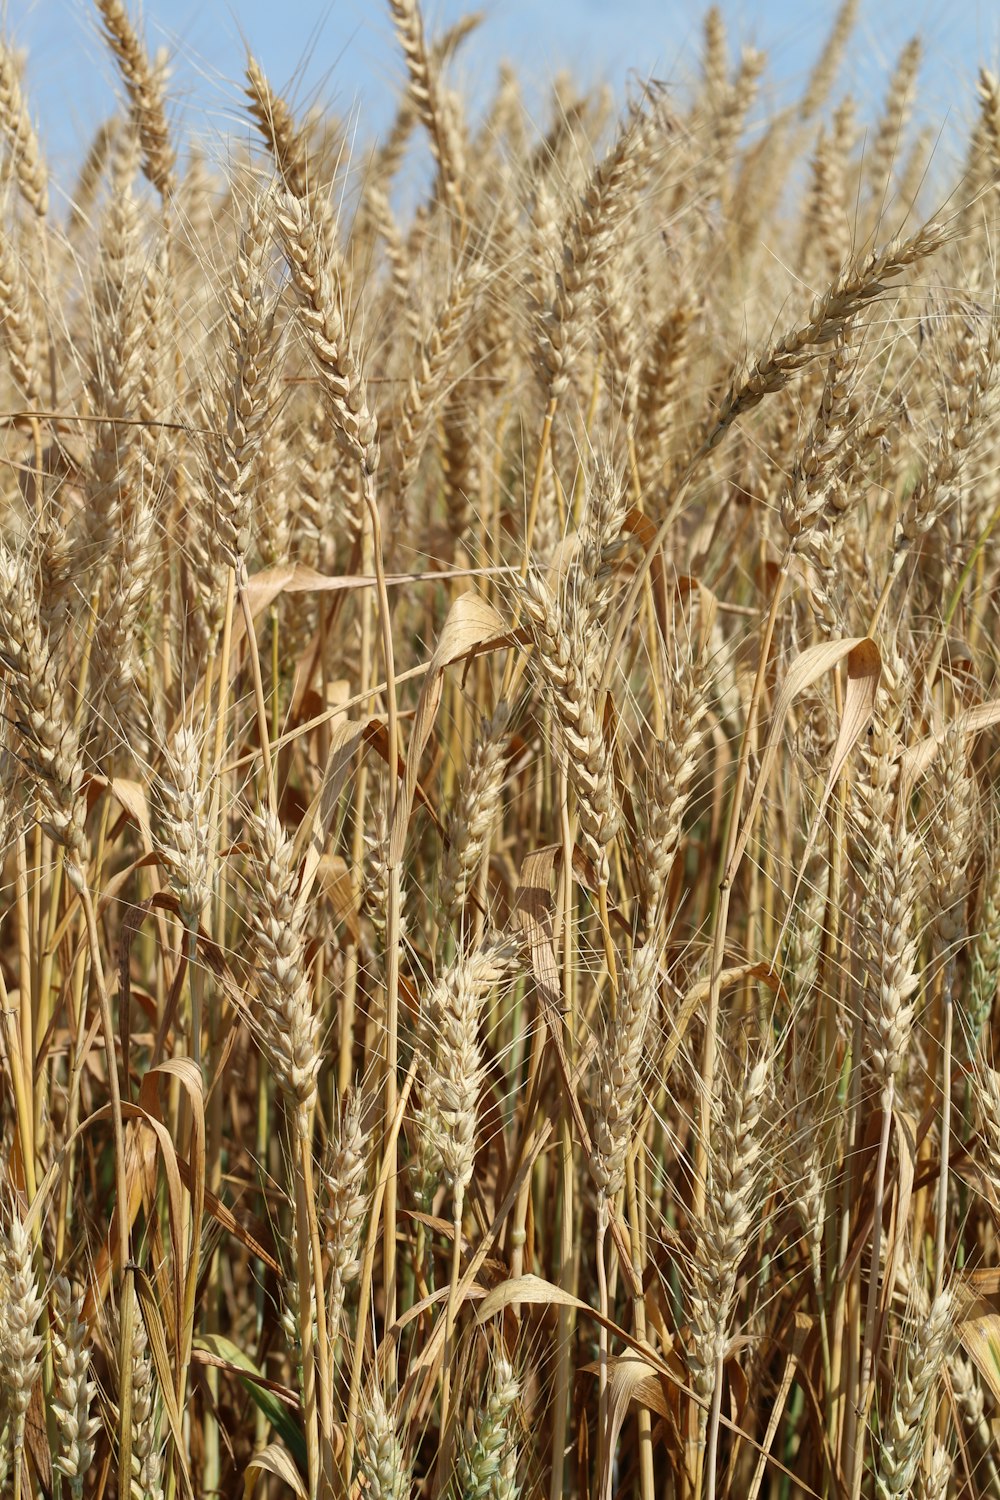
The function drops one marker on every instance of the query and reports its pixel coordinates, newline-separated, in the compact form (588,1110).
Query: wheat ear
(144,87)
(732,1194)
(565,656)
(16,128)
(433,105)
(474,814)
(893,859)
(74,1389)
(20,1343)
(284,1010)
(924,1352)
(250,355)
(147,1459)
(287,143)
(18,334)
(853,290)
(48,736)
(380,1456)
(345,1202)
(825,70)
(984,963)
(482,1468)
(315,268)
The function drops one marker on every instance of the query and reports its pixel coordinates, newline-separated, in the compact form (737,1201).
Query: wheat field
(498,791)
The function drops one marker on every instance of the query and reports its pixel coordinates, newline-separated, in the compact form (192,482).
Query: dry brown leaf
(627,1374)
(864,667)
(471,626)
(700,991)
(531,1289)
(980,1338)
(276,1460)
(338,887)
(161,1363)
(296,578)
(919,758)
(132,797)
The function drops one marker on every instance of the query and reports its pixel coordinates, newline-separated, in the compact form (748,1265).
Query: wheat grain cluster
(500,841)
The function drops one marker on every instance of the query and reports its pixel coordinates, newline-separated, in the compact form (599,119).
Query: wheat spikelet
(848,295)
(986,142)
(725,126)
(986,1092)
(601,542)
(984,965)
(431,369)
(893,967)
(617,322)
(975,378)
(659,382)
(290,1315)
(458,452)
(120,671)
(393,246)
(88,181)
(970,1401)
(153,400)
(114,377)
(670,768)
(203,580)
(375,894)
(604,207)
(890,129)
(320,467)
(492,337)
(950,837)
(714,57)
(934,1479)
(828,220)
(273,530)
(806,496)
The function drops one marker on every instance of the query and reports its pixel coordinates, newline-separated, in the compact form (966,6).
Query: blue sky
(342,52)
